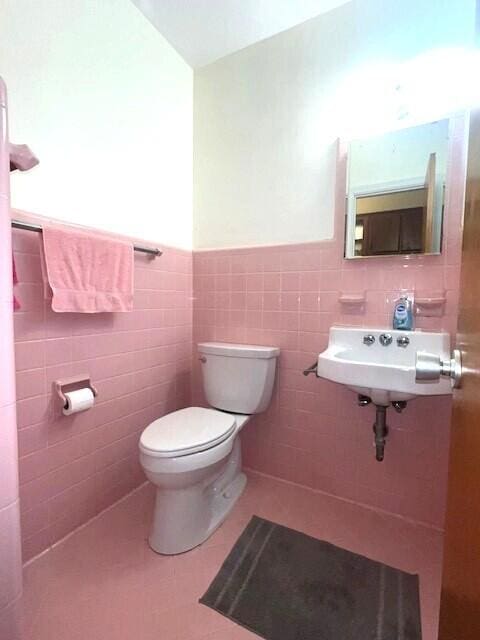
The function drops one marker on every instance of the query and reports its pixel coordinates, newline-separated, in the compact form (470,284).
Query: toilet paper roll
(79,400)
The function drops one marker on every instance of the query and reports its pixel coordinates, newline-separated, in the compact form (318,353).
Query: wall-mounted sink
(382,363)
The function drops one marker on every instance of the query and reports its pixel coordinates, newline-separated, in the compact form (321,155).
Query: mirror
(395,192)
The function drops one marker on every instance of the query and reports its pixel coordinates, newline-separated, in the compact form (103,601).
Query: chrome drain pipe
(380,430)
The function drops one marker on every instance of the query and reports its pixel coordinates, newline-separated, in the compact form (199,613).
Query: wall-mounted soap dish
(352,299)
(430,305)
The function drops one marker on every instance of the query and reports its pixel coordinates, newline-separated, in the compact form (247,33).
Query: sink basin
(385,373)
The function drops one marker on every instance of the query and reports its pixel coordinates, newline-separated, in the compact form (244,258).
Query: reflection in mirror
(395,192)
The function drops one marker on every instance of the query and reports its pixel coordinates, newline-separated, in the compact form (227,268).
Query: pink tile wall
(73,467)
(314,433)
(10,552)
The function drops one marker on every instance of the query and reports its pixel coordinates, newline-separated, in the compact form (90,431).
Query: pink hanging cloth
(86,272)
(21,157)
(16,304)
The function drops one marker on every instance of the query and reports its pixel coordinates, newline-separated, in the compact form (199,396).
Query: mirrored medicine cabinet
(395,192)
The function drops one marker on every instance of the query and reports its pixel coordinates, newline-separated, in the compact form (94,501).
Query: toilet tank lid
(238,350)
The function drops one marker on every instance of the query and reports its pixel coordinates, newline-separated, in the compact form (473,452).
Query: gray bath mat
(285,585)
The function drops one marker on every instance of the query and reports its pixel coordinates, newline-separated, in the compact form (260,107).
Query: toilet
(193,455)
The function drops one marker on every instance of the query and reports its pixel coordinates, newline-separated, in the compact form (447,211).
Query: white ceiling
(204,30)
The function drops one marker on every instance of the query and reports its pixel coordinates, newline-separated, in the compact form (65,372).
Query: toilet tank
(238,377)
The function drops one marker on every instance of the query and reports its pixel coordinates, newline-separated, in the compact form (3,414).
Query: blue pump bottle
(403,314)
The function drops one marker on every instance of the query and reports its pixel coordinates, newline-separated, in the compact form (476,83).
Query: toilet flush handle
(202,358)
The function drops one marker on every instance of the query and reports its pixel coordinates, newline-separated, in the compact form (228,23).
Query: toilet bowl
(197,489)
(193,455)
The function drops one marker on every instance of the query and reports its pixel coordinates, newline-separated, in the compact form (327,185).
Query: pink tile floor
(103,581)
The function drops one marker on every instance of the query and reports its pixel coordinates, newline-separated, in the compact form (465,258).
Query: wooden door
(381,233)
(460,607)
(430,208)
(411,231)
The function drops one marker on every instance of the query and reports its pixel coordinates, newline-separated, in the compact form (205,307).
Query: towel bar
(28,226)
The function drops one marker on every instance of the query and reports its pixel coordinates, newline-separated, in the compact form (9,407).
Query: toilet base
(185,517)
(225,502)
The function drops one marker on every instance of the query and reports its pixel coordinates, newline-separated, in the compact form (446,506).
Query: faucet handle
(369,339)
(403,341)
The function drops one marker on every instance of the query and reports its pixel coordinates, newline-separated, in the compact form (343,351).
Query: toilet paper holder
(73,383)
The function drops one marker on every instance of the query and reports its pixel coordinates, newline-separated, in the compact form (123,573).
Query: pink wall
(10,554)
(313,433)
(73,467)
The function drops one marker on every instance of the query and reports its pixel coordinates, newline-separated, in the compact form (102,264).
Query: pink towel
(21,157)
(87,273)
(16,304)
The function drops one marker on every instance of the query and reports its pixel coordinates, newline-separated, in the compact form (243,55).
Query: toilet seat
(186,431)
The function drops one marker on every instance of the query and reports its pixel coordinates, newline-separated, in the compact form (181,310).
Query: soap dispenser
(403,314)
